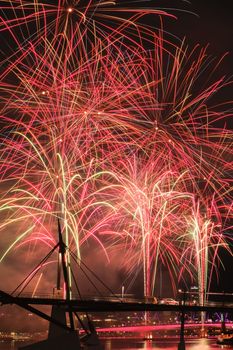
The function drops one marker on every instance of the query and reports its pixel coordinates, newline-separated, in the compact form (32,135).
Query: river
(135,344)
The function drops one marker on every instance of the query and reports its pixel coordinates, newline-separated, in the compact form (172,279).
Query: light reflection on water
(132,344)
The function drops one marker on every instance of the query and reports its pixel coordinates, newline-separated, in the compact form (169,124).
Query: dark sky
(211,25)
(208,23)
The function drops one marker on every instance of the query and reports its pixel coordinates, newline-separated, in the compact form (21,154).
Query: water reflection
(148,344)
(135,344)
(203,344)
(132,344)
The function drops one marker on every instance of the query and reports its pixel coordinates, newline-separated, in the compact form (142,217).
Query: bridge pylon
(62,334)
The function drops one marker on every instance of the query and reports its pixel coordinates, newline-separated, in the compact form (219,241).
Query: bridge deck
(89,305)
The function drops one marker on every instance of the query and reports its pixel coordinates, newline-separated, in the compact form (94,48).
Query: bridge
(91,305)
(106,304)
(64,335)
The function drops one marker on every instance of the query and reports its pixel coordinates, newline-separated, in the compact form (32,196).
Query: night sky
(212,25)
(208,23)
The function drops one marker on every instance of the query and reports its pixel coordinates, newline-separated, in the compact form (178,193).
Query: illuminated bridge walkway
(161,327)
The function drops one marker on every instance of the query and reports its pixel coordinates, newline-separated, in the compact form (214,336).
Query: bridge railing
(125,299)
(112,298)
